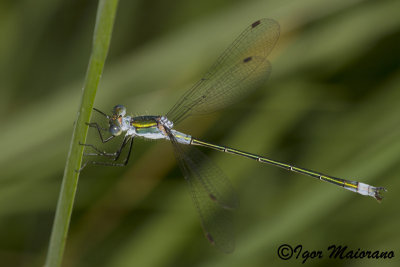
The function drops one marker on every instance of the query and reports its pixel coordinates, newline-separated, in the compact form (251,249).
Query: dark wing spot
(255,24)
(213,198)
(247,59)
(210,238)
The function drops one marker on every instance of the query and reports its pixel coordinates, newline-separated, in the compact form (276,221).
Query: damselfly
(237,72)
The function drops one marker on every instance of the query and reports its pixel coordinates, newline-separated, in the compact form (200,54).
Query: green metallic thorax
(147,126)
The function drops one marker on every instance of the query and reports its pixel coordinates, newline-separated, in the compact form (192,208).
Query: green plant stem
(101,41)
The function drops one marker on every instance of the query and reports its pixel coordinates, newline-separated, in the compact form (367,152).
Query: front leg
(99,129)
(115,155)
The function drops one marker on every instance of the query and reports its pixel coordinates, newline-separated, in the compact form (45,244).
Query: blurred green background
(331,105)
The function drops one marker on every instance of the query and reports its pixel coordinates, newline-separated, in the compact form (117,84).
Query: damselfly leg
(114,156)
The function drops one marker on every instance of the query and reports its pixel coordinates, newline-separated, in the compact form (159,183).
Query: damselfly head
(119,111)
(115,129)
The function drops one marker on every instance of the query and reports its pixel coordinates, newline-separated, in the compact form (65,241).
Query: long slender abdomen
(354,186)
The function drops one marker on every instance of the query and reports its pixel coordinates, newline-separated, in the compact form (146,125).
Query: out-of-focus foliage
(331,105)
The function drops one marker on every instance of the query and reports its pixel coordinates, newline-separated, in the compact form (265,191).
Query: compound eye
(119,110)
(115,130)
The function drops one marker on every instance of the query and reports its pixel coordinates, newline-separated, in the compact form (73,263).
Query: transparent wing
(212,194)
(236,73)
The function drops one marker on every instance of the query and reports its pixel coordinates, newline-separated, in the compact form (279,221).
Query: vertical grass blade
(101,41)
